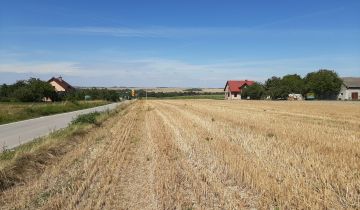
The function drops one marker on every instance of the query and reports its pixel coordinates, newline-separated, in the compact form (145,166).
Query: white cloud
(176,32)
(154,31)
(137,72)
(165,72)
(67,68)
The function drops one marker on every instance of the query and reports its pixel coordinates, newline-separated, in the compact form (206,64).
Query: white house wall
(238,96)
(232,95)
(226,92)
(345,94)
(350,91)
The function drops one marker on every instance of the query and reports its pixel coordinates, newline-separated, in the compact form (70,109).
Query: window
(235,95)
(228,94)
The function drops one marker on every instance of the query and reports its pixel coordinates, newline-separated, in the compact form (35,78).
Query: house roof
(62,83)
(351,82)
(236,85)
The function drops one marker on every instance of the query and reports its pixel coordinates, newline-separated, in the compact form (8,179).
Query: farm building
(233,88)
(60,85)
(350,89)
(295,97)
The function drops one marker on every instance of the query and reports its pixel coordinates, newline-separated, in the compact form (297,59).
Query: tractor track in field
(142,161)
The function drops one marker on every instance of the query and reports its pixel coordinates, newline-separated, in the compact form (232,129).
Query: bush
(193,89)
(86,118)
(93,93)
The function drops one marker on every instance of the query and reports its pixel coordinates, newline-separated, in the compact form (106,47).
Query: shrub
(193,89)
(86,118)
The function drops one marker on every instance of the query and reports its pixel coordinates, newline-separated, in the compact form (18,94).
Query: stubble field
(207,154)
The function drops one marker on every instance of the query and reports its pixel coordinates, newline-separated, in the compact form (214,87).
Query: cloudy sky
(178,43)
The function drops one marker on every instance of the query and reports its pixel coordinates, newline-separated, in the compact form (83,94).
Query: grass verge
(215,97)
(29,160)
(12,112)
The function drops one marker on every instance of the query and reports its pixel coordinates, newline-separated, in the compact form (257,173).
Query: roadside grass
(87,118)
(215,97)
(28,160)
(13,111)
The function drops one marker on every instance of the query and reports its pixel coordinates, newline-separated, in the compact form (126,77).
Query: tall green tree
(277,87)
(273,87)
(40,89)
(324,83)
(4,91)
(254,91)
(292,83)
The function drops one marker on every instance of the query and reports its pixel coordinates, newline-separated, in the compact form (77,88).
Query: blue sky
(194,43)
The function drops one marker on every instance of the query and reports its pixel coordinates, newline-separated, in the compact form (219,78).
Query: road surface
(14,134)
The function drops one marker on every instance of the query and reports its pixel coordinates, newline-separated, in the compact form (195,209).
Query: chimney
(60,78)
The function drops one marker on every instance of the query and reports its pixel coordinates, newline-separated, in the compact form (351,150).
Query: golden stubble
(207,154)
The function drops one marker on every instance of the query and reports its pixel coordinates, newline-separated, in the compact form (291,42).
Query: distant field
(203,90)
(199,154)
(12,112)
(216,97)
(174,89)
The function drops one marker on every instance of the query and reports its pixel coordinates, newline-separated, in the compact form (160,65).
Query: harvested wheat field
(207,154)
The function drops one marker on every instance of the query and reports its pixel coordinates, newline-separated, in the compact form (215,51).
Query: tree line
(323,84)
(31,90)
(35,90)
(189,92)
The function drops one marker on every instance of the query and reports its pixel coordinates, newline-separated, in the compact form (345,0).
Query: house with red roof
(60,85)
(234,88)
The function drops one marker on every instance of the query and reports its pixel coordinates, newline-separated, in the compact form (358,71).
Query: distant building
(295,97)
(234,88)
(60,85)
(350,89)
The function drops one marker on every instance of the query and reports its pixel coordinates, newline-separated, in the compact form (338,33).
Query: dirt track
(190,155)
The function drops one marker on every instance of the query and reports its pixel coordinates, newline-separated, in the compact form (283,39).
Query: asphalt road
(14,134)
